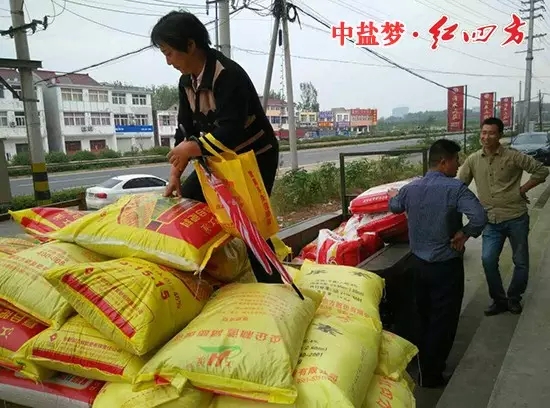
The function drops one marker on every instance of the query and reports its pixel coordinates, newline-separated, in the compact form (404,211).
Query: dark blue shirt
(434,205)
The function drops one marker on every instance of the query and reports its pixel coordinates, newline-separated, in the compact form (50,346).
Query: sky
(85,32)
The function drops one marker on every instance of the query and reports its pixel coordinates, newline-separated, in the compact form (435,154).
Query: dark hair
(442,149)
(494,121)
(177,28)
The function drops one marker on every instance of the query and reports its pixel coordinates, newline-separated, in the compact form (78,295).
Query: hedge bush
(28,201)
(57,157)
(299,189)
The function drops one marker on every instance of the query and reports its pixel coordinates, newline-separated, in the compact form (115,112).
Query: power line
(382,57)
(127,54)
(433,71)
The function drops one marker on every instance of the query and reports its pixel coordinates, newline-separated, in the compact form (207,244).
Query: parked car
(111,190)
(535,144)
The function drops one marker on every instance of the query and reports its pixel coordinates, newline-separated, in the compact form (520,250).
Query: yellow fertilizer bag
(118,395)
(23,285)
(79,349)
(43,220)
(336,362)
(386,393)
(135,303)
(395,355)
(11,246)
(16,330)
(351,290)
(246,342)
(180,233)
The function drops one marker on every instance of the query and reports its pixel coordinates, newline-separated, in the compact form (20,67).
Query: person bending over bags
(216,96)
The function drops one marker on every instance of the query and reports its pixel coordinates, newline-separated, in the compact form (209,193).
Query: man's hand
(523,194)
(174,184)
(392,192)
(458,241)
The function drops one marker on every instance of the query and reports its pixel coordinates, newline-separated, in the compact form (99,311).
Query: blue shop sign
(134,129)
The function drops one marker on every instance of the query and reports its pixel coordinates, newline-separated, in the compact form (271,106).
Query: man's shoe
(433,382)
(496,308)
(514,306)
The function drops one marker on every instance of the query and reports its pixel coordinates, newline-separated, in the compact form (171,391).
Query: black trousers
(439,290)
(268,164)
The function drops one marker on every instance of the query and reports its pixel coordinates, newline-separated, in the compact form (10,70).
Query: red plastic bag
(375,199)
(348,250)
(386,225)
(335,249)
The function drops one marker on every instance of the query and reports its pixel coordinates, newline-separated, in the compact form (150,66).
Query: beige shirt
(498,180)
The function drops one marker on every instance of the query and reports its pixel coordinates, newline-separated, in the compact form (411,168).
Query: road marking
(63,181)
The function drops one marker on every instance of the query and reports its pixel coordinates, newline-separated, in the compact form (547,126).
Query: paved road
(60,181)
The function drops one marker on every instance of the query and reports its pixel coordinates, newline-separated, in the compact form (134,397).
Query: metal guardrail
(95,161)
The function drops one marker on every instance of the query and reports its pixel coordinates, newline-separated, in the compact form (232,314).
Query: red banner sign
(506,106)
(487,106)
(455,108)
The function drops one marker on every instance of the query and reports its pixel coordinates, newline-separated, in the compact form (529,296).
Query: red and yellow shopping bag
(241,174)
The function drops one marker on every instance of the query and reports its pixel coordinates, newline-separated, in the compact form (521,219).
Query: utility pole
(32,118)
(216,19)
(540,110)
(280,14)
(529,58)
(224,28)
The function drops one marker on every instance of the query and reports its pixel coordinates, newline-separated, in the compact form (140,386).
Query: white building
(82,114)
(13,128)
(167,121)
(133,117)
(78,113)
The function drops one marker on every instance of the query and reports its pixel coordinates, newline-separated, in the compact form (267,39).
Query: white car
(111,190)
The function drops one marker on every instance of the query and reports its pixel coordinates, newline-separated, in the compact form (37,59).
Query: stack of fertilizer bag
(104,310)
(368,229)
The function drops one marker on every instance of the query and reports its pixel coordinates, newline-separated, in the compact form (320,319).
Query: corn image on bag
(229,262)
(180,233)
(395,355)
(22,282)
(43,220)
(351,290)
(386,393)
(120,395)
(11,246)
(16,330)
(246,342)
(337,359)
(135,303)
(78,349)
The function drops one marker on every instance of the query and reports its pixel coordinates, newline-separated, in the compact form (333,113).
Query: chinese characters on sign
(506,106)
(364,117)
(487,106)
(372,34)
(455,108)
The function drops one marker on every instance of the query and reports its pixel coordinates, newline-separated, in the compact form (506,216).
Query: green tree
(309,97)
(276,95)
(164,96)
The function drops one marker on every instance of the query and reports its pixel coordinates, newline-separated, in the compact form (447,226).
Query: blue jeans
(494,235)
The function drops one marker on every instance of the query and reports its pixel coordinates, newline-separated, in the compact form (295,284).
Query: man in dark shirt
(435,205)
(216,96)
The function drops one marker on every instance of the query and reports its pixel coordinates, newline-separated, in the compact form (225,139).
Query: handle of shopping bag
(201,159)
(209,138)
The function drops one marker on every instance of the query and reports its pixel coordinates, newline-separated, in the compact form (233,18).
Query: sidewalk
(491,358)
